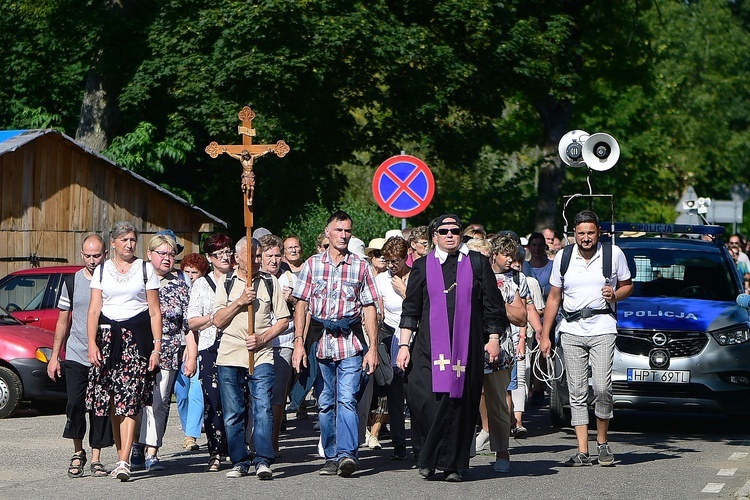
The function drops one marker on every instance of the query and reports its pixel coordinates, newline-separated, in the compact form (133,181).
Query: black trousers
(76,380)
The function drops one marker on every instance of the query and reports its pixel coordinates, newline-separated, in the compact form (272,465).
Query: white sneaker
(238,470)
(373,443)
(263,471)
(482,440)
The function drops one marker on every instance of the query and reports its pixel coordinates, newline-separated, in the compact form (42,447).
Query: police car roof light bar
(647,227)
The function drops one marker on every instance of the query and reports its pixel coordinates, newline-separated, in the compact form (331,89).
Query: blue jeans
(234,383)
(342,383)
(189,395)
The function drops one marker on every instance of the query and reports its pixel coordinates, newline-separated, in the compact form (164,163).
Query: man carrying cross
(454,306)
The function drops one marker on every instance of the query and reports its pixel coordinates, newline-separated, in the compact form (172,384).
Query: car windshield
(690,274)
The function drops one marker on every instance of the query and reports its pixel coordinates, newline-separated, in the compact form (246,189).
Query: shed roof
(11,140)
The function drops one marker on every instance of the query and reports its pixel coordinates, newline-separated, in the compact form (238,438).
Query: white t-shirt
(286,338)
(583,288)
(124,295)
(392,301)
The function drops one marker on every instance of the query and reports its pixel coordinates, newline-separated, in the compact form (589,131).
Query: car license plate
(661,376)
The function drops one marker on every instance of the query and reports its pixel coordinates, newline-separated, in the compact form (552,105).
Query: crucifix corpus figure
(246,153)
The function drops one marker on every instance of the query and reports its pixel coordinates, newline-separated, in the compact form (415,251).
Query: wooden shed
(55,191)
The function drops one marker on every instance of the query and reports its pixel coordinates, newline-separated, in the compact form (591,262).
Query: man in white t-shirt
(587,330)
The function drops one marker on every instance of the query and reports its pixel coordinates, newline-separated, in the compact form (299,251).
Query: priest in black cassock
(455,308)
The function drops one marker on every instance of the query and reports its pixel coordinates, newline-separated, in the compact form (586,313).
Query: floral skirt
(125,388)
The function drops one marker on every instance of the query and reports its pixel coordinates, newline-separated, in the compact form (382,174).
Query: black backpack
(606,256)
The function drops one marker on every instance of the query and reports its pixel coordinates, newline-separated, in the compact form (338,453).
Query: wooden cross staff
(246,153)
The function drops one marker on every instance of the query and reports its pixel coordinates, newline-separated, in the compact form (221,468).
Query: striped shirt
(336,292)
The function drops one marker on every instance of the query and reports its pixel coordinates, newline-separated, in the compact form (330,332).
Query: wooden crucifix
(246,153)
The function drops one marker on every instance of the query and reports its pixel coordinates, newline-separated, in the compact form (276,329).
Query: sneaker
(153,464)
(121,471)
(606,457)
(373,443)
(502,465)
(189,444)
(263,471)
(482,440)
(519,432)
(238,470)
(347,466)
(578,460)
(137,456)
(330,468)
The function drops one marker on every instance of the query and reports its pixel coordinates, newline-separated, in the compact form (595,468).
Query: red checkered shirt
(335,292)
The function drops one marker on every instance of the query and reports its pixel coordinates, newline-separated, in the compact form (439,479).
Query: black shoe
(425,472)
(347,466)
(330,468)
(452,477)
(579,460)
(399,452)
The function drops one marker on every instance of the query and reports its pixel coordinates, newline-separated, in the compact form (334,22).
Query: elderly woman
(174,296)
(125,336)
(392,287)
(218,249)
(187,388)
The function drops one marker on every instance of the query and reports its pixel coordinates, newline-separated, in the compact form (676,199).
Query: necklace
(121,268)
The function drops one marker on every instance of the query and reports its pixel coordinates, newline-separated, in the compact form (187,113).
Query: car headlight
(43,354)
(732,336)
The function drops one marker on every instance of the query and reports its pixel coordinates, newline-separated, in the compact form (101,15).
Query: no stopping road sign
(403,186)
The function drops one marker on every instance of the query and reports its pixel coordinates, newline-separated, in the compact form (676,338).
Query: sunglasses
(376,254)
(453,230)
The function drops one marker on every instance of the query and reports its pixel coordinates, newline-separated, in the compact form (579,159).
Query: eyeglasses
(424,243)
(165,255)
(220,253)
(453,230)
(734,243)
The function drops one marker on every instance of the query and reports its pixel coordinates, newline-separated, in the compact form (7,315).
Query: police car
(683,342)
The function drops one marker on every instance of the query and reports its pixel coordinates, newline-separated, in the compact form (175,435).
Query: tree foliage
(481,90)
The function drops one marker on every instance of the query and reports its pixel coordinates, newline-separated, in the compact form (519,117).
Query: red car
(28,315)
(31,295)
(24,353)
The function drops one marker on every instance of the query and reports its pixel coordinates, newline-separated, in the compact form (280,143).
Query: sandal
(98,470)
(77,462)
(214,464)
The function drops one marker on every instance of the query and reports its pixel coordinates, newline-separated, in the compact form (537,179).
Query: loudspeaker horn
(570,148)
(600,152)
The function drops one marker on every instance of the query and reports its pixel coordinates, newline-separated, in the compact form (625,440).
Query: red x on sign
(403,186)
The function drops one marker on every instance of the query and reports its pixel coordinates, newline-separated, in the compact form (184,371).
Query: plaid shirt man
(336,292)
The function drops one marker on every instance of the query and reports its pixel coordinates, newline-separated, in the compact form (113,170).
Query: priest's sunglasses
(445,231)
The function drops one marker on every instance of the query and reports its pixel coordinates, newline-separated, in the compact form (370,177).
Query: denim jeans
(234,382)
(342,382)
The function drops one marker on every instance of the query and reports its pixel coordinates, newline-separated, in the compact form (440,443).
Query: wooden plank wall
(53,194)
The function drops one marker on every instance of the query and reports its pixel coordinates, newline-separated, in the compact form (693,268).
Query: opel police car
(683,342)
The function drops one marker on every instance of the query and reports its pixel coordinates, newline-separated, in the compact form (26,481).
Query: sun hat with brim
(393,233)
(375,244)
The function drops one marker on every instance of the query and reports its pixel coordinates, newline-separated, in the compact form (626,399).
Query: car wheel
(559,415)
(11,391)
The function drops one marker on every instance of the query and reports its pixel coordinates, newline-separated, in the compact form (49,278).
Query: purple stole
(449,358)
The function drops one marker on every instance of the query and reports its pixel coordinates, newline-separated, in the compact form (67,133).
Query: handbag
(384,371)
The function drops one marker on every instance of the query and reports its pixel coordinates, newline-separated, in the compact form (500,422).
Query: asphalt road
(658,456)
